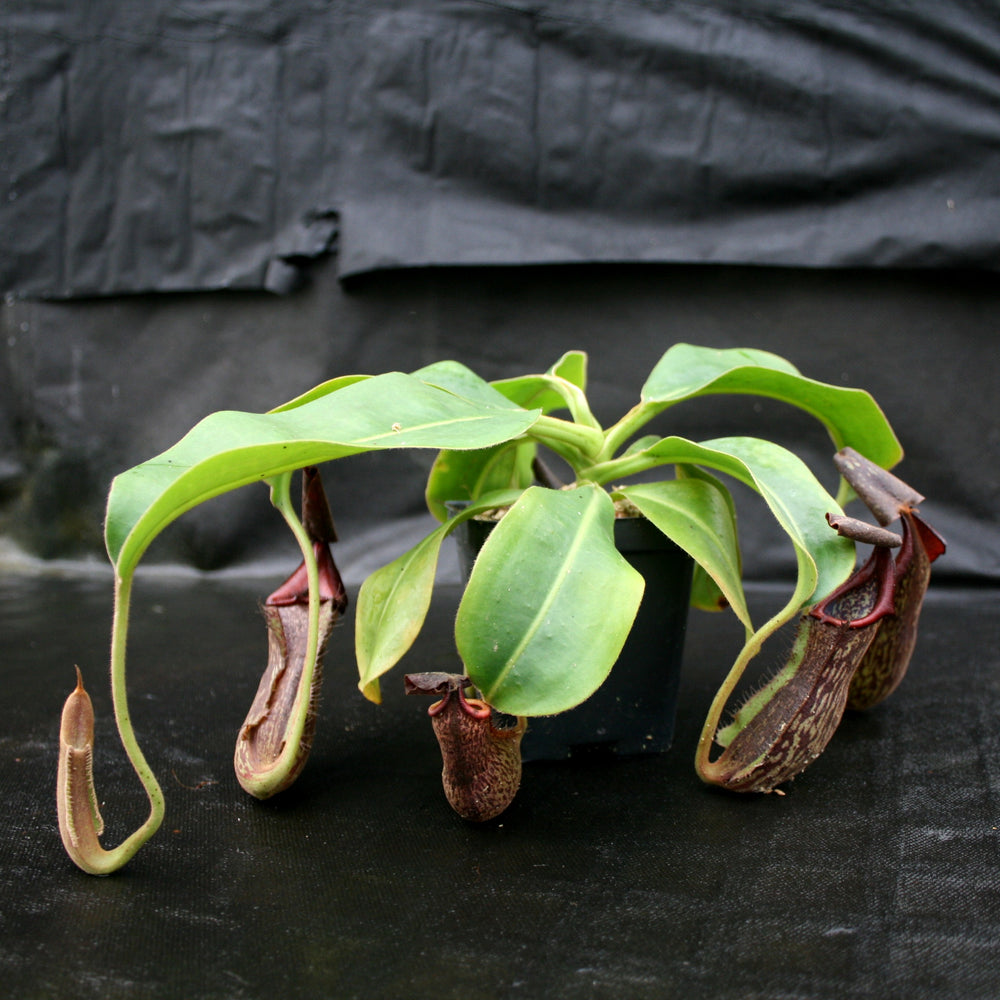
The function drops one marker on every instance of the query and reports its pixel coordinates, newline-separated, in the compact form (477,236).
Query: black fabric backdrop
(90,389)
(247,146)
(166,145)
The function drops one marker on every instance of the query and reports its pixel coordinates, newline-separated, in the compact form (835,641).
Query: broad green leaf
(467,475)
(549,604)
(318,391)
(706,594)
(800,504)
(456,378)
(393,601)
(572,367)
(796,498)
(641,444)
(230,449)
(851,416)
(696,514)
(685,369)
(798,501)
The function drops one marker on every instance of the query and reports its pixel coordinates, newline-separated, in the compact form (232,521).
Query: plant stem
(616,435)
(579,408)
(620,468)
(576,443)
(101,862)
(119,694)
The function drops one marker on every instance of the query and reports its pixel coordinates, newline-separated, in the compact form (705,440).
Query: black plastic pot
(633,711)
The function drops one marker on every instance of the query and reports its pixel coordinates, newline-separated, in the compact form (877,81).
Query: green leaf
(572,367)
(697,514)
(462,381)
(800,505)
(685,369)
(641,444)
(563,386)
(467,475)
(549,604)
(393,601)
(851,416)
(231,449)
(706,595)
(318,391)
(796,498)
